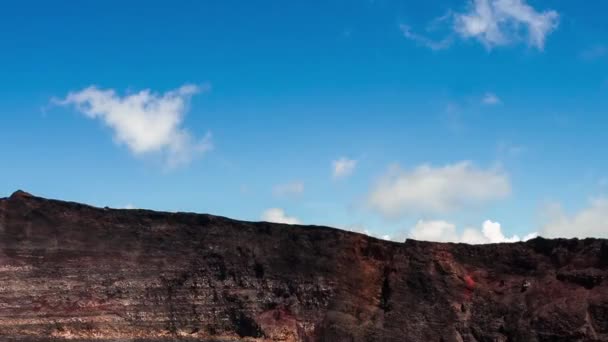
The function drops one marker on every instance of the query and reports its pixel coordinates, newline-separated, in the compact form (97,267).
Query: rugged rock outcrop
(69,271)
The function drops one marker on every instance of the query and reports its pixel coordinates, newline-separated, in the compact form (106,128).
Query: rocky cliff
(69,271)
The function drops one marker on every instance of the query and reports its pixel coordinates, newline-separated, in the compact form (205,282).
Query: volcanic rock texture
(72,272)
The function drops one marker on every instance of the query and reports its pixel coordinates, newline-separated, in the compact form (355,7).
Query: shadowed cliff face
(73,272)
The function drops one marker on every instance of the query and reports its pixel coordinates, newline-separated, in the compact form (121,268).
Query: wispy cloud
(594,52)
(422,40)
(278,215)
(507,149)
(428,189)
(493,23)
(490,99)
(290,189)
(591,221)
(343,167)
(145,122)
(452,117)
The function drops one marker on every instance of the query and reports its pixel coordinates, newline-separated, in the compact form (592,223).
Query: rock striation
(72,272)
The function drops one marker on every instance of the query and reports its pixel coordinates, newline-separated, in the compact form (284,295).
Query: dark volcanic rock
(74,272)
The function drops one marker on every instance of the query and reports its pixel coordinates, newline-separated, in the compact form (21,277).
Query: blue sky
(443,119)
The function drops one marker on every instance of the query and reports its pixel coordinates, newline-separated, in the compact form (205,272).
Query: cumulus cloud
(290,189)
(490,99)
(343,167)
(493,23)
(443,231)
(278,215)
(428,189)
(502,22)
(145,122)
(591,221)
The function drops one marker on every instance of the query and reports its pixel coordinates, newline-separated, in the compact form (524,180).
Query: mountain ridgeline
(72,272)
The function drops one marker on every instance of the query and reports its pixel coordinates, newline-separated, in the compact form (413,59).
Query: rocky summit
(72,272)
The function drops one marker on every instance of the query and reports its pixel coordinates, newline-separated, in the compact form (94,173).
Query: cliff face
(73,272)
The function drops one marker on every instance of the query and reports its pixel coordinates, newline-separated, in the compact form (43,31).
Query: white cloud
(493,23)
(588,222)
(145,122)
(502,22)
(440,231)
(428,189)
(343,167)
(288,189)
(490,99)
(443,231)
(493,233)
(130,206)
(530,236)
(278,215)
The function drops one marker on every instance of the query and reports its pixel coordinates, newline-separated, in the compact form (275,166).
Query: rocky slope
(74,272)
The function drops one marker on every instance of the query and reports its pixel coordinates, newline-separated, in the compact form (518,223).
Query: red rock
(69,271)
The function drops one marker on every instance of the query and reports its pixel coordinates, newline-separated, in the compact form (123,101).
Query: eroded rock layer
(74,272)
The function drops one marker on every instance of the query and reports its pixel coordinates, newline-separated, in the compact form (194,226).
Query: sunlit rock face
(78,273)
